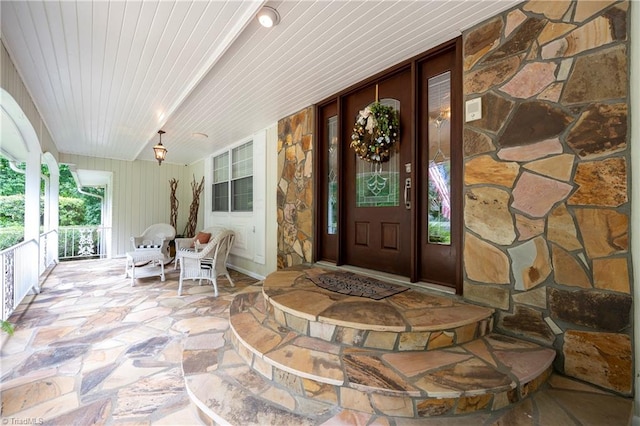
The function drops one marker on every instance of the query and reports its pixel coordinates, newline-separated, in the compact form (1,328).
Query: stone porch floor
(90,349)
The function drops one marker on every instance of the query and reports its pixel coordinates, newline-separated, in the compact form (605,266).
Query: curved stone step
(481,375)
(228,391)
(407,321)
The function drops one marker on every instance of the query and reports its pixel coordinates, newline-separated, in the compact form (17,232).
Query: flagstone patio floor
(91,349)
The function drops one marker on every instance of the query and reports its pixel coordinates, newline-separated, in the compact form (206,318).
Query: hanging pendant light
(159,150)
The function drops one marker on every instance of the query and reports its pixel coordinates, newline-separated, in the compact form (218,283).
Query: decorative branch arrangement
(196,189)
(173,221)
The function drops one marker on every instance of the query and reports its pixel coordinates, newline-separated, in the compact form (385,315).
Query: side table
(155,257)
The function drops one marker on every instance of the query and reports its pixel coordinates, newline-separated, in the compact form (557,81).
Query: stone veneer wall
(295,189)
(546,203)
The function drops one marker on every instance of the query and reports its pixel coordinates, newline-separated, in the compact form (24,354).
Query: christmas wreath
(376,130)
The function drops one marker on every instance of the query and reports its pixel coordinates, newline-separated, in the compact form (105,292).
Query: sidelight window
(439,205)
(332,175)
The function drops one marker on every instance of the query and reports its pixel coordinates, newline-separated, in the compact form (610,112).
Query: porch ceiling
(107,75)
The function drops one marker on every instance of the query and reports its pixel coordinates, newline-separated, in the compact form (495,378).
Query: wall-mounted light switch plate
(473,109)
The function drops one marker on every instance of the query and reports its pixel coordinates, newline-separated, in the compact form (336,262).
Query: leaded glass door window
(332,175)
(377,184)
(439,190)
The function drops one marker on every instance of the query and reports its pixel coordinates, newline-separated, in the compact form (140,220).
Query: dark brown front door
(377,226)
(403,217)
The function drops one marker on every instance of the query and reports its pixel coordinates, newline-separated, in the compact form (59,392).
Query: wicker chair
(209,262)
(194,243)
(156,238)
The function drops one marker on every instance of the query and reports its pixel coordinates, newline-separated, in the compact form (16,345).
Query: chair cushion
(202,238)
(206,264)
(149,246)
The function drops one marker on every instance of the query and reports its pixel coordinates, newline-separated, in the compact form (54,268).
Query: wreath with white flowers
(377,128)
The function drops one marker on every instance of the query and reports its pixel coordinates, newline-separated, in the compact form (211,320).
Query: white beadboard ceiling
(107,75)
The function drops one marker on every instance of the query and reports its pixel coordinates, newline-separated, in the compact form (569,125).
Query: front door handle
(407,187)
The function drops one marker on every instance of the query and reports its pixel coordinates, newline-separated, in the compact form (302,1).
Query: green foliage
(92,205)
(11,183)
(93,210)
(439,233)
(10,236)
(72,211)
(12,210)
(7,327)
(67,184)
(85,210)
(375,131)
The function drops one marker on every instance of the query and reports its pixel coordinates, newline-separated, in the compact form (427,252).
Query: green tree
(12,184)
(92,205)
(72,211)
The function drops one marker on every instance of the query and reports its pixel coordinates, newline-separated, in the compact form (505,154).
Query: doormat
(355,285)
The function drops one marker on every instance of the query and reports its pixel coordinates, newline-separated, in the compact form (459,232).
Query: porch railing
(20,274)
(82,242)
(48,247)
(18,269)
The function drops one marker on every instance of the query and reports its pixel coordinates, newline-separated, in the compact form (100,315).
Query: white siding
(255,249)
(140,194)
(259,189)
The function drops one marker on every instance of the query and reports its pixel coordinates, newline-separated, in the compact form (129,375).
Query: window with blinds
(233,180)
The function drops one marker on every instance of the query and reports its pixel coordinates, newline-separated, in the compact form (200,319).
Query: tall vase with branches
(173,220)
(196,189)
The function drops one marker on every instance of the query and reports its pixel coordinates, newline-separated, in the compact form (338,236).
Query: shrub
(12,210)
(71,211)
(10,236)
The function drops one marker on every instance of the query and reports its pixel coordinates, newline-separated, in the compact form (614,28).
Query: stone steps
(299,357)
(485,374)
(411,320)
(226,390)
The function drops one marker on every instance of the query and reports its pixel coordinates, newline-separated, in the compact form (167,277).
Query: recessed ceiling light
(198,135)
(268,17)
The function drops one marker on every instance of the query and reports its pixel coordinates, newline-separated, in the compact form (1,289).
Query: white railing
(19,271)
(48,249)
(19,274)
(82,242)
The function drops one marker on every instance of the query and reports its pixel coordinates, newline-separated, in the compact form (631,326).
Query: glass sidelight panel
(439,188)
(332,175)
(377,185)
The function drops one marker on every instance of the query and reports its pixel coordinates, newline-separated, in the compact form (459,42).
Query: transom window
(233,180)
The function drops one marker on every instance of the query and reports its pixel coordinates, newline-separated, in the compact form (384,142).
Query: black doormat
(356,285)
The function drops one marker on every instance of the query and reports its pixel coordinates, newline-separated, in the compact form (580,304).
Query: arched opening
(19,268)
